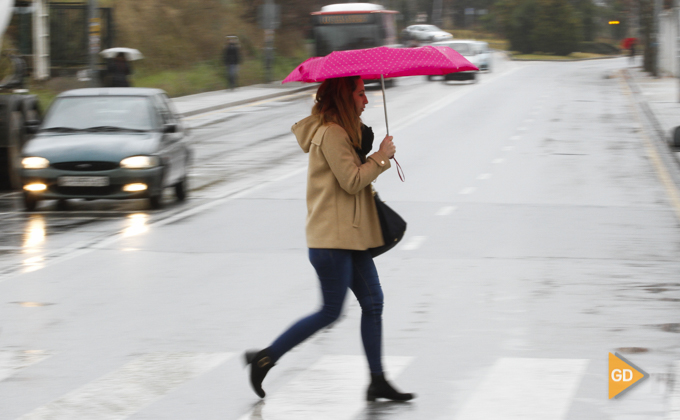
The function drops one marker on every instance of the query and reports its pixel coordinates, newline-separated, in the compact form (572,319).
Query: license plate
(83,181)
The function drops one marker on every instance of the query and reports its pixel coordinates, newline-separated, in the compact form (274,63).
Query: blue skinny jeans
(339,270)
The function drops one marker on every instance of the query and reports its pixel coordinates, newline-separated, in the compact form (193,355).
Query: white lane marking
(484,176)
(11,361)
(674,404)
(130,388)
(332,389)
(445,211)
(515,137)
(508,148)
(501,160)
(525,389)
(413,243)
(468,190)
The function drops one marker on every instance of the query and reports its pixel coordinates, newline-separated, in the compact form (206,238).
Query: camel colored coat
(341,212)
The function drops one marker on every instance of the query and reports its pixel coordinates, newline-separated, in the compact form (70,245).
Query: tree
(516,20)
(557,28)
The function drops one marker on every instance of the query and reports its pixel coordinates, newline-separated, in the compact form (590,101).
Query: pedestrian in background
(232,58)
(632,51)
(342,224)
(119,70)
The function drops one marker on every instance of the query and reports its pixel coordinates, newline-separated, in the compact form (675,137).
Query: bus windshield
(345,37)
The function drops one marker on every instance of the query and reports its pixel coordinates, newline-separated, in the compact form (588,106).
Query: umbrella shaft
(382,84)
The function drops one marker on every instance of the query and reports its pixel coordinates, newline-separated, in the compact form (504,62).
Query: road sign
(95,35)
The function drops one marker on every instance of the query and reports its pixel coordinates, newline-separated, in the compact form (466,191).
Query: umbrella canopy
(374,63)
(131,54)
(628,42)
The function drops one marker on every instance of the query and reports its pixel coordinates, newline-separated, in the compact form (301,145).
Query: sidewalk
(660,98)
(212,101)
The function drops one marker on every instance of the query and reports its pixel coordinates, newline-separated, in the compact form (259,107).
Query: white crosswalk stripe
(525,389)
(130,388)
(332,389)
(11,361)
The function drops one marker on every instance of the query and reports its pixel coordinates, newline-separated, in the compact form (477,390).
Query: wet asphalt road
(540,239)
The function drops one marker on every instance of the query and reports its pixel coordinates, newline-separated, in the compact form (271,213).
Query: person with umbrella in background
(342,224)
(118,67)
(629,44)
(118,70)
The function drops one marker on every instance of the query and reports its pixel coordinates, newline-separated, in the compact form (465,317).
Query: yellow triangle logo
(623,375)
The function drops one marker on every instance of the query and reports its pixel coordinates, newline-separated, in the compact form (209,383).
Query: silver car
(116,143)
(472,51)
(424,33)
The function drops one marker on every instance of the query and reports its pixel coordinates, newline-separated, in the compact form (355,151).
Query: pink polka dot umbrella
(381,62)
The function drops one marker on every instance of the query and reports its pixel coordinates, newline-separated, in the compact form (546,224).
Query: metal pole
(94,34)
(41,45)
(657,10)
(382,84)
(677,43)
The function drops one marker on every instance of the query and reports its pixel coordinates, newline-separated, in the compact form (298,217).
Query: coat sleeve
(341,158)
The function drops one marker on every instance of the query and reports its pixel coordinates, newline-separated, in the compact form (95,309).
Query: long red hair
(335,103)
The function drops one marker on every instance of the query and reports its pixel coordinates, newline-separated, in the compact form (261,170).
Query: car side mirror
(32,126)
(170,128)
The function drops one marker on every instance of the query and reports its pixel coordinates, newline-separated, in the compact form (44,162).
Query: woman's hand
(387,147)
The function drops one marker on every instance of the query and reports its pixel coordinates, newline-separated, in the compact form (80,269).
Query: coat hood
(305,130)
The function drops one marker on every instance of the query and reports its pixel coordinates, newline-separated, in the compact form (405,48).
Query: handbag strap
(400,171)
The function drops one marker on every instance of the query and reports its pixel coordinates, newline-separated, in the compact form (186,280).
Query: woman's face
(360,99)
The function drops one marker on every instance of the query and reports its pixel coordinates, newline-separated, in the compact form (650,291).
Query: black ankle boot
(380,388)
(260,363)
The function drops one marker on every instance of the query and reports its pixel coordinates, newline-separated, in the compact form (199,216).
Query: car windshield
(99,113)
(430,28)
(462,49)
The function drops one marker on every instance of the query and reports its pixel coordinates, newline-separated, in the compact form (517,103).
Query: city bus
(352,26)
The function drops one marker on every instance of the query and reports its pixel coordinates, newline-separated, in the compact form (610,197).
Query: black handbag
(392,225)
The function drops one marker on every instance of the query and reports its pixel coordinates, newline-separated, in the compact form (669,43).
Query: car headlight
(140,162)
(34,162)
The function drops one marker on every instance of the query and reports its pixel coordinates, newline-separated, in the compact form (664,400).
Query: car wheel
(156,201)
(30,202)
(181,189)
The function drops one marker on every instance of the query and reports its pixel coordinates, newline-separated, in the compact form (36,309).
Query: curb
(247,101)
(567,59)
(661,133)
